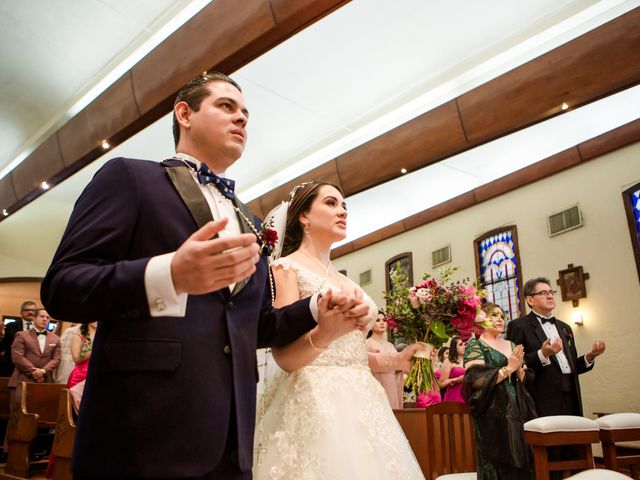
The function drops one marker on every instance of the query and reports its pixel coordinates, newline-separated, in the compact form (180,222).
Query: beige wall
(12,294)
(602,246)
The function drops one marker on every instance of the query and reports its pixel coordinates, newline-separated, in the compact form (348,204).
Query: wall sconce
(577,318)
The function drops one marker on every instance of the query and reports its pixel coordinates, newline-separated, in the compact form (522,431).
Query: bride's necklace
(318,262)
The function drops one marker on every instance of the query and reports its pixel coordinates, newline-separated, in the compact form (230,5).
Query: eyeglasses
(544,293)
(30,310)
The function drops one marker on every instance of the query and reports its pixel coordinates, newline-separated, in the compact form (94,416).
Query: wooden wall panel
(41,165)
(596,64)
(103,118)
(619,137)
(415,144)
(215,34)
(453,205)
(7,194)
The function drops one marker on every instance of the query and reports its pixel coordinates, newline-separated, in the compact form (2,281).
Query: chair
(414,424)
(619,427)
(558,430)
(452,451)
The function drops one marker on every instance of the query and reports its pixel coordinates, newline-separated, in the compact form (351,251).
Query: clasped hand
(551,348)
(339,314)
(515,359)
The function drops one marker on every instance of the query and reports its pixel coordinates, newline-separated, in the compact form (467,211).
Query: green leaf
(439,329)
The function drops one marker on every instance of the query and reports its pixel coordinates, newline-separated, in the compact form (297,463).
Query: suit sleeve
(91,277)
(18,350)
(516,334)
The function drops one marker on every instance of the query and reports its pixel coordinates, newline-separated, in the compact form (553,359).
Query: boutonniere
(268,237)
(569,335)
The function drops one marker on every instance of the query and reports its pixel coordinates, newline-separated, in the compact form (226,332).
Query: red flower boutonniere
(268,238)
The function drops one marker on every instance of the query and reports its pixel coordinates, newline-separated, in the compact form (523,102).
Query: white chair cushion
(458,476)
(619,421)
(560,423)
(598,474)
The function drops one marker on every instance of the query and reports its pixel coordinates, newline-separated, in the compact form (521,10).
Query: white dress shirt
(551,331)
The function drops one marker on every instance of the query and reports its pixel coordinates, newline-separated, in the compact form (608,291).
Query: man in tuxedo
(182,303)
(28,313)
(550,351)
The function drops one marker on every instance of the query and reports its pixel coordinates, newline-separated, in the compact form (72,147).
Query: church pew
(63,440)
(5,398)
(38,408)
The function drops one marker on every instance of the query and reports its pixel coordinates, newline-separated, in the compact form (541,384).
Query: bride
(330,419)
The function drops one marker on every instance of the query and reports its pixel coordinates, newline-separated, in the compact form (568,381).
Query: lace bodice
(349,350)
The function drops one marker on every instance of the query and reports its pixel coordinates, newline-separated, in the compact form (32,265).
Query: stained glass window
(498,266)
(631,198)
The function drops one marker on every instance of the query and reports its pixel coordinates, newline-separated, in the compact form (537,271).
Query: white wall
(602,246)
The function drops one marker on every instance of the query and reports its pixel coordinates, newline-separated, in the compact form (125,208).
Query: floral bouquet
(430,312)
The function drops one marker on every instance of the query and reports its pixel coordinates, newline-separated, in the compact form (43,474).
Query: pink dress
(454,392)
(383,367)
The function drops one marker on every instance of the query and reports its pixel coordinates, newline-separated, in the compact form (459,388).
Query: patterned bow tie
(205,176)
(39,333)
(550,320)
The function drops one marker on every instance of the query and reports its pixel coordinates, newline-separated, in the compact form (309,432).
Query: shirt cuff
(162,297)
(543,360)
(313,306)
(587,362)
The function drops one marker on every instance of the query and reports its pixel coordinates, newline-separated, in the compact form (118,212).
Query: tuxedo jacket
(160,391)
(26,355)
(6,364)
(547,385)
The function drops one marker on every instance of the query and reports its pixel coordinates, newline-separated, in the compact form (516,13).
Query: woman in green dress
(494,387)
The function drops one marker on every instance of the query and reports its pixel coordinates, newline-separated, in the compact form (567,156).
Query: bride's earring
(307,229)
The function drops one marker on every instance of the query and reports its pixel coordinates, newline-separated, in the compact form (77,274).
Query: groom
(182,301)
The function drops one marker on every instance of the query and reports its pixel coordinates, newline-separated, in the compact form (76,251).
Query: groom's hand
(353,307)
(204,264)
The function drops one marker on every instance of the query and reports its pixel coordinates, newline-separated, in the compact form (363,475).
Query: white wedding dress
(330,420)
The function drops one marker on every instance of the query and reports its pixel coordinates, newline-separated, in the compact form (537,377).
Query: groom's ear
(183,114)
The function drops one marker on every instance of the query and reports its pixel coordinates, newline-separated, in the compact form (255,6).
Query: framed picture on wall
(571,283)
(406,263)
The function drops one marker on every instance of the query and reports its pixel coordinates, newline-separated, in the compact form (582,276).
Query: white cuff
(161,294)
(587,362)
(313,306)
(544,360)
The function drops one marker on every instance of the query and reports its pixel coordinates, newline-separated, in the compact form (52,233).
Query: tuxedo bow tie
(550,320)
(39,333)
(205,176)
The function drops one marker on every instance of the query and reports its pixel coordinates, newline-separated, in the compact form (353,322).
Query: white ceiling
(364,69)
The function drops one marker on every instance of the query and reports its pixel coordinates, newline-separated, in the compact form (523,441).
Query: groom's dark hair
(194,92)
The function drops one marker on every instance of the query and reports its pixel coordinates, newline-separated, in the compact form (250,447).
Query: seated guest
(452,371)
(494,388)
(386,364)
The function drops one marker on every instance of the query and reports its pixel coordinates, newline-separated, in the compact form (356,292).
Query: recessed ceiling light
(564,106)
(4,212)
(105,145)
(403,170)
(45,186)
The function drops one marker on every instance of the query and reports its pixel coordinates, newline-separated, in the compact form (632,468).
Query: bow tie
(205,176)
(39,333)
(550,320)
(28,325)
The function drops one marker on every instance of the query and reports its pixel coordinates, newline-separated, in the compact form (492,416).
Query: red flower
(269,237)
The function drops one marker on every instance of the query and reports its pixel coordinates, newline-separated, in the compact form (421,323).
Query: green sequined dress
(499,411)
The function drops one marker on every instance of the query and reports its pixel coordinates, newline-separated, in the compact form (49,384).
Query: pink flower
(414,301)
(391,323)
(424,295)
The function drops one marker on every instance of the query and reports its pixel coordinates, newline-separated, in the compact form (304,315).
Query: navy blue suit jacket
(160,390)
(547,384)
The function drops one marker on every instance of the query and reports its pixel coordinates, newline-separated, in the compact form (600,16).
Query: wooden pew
(63,440)
(38,408)
(5,398)
(441,437)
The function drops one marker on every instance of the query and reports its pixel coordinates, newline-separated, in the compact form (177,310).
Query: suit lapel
(244,228)
(189,191)
(565,344)
(33,338)
(542,337)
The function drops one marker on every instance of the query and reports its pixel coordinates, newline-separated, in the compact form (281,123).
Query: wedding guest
(61,374)
(81,346)
(386,363)
(27,313)
(330,419)
(494,388)
(443,353)
(452,371)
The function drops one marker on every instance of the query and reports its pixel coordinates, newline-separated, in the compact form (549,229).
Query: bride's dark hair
(303,197)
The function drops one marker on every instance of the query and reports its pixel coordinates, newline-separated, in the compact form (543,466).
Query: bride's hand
(338,314)
(407,354)
(353,307)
